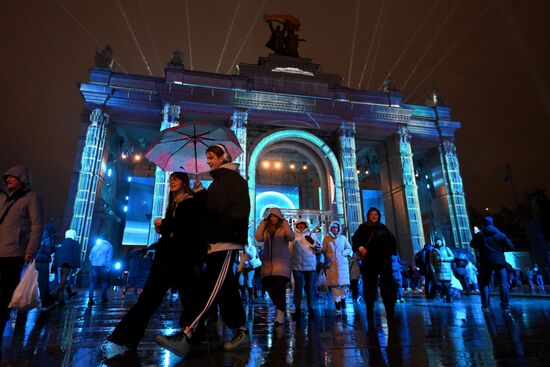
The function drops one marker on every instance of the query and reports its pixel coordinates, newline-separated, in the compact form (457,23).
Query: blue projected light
(284,197)
(137,208)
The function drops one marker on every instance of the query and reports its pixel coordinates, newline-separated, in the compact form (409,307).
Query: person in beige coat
(275,233)
(337,248)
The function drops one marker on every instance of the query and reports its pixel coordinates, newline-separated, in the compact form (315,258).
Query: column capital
(99,117)
(404,135)
(347,129)
(448,147)
(171,110)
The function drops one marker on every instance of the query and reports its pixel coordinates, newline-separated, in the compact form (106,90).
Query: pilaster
(239,121)
(400,193)
(88,178)
(170,118)
(350,181)
(454,193)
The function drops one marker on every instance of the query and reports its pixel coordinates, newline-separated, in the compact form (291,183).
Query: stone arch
(324,152)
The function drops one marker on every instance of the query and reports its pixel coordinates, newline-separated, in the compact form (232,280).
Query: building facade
(311,146)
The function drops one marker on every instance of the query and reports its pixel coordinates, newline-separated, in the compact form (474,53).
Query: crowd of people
(203,254)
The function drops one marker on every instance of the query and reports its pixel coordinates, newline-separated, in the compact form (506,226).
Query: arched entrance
(323,162)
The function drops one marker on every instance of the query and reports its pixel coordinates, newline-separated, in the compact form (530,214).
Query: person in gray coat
(21,228)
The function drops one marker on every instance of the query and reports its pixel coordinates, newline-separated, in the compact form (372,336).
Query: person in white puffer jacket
(337,248)
(303,263)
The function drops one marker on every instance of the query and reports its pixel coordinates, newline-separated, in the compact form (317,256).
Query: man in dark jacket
(67,260)
(43,259)
(491,244)
(376,245)
(422,260)
(21,228)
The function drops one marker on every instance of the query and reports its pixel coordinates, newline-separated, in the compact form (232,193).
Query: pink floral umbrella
(183,147)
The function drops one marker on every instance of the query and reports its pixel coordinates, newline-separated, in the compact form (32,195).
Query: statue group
(284,40)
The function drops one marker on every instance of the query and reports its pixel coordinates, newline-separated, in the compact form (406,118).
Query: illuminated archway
(334,178)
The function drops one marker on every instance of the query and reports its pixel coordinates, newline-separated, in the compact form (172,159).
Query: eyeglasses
(172,179)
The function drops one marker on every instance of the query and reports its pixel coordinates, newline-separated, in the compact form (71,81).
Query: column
(454,193)
(88,178)
(170,116)
(350,181)
(239,120)
(238,125)
(400,194)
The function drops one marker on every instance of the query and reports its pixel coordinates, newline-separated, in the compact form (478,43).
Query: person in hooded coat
(491,244)
(303,262)
(21,229)
(337,248)
(441,259)
(275,233)
(376,245)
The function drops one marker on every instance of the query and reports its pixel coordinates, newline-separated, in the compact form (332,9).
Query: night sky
(490,60)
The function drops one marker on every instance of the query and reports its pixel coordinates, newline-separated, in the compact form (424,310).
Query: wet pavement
(429,333)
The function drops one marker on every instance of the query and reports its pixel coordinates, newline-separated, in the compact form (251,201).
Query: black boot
(343,303)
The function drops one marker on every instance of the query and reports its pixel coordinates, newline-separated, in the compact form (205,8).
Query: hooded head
(21,173)
(488,221)
(338,226)
(438,242)
(276,212)
(373,209)
(302,221)
(70,233)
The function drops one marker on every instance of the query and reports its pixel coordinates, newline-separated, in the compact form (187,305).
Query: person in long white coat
(337,249)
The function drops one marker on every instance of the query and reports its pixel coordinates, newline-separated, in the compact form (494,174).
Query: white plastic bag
(25,296)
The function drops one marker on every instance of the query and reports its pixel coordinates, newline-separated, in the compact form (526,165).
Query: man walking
(491,244)
(101,256)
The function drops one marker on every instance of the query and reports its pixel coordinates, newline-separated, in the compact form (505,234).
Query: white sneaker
(279,317)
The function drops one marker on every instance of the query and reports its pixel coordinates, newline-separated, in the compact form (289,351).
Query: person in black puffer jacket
(376,246)
(491,244)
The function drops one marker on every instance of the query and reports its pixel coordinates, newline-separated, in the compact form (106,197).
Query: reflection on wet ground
(428,333)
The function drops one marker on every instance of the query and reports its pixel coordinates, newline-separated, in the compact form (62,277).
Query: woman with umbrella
(176,264)
(226,207)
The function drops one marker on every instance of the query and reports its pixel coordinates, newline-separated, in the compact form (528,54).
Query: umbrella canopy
(183,147)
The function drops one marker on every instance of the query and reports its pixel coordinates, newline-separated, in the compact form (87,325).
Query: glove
(309,239)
